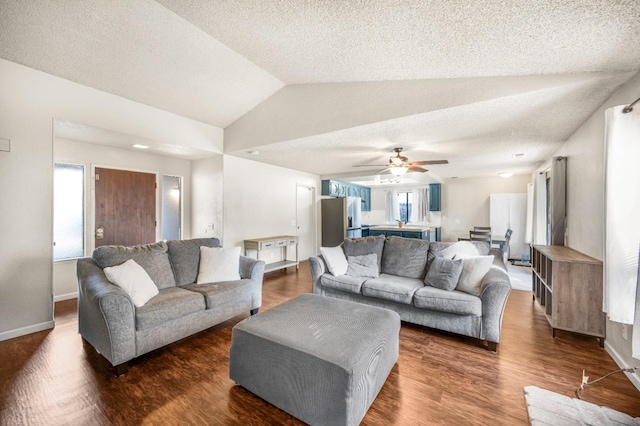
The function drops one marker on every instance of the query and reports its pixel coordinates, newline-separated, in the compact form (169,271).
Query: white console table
(283,242)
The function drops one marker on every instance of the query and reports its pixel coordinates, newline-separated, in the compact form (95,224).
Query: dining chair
(482,228)
(480,236)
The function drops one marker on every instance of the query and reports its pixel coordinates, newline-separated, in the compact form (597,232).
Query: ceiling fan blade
(371,165)
(424,163)
(413,168)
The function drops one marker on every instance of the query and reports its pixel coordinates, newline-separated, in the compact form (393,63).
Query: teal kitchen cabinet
(434,197)
(336,188)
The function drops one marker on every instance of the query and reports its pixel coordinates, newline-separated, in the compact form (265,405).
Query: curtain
(622,227)
(392,207)
(420,206)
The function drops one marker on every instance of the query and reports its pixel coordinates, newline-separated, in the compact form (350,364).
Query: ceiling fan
(400,164)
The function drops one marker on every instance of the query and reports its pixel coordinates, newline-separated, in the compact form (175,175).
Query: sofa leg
(121,369)
(253,311)
(492,346)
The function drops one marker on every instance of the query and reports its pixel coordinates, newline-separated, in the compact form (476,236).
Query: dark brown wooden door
(125,207)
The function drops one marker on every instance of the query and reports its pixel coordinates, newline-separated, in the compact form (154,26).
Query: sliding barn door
(125,207)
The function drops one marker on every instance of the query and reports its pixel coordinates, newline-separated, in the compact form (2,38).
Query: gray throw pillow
(364,245)
(444,273)
(363,266)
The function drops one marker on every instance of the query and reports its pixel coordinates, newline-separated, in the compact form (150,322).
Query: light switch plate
(5,145)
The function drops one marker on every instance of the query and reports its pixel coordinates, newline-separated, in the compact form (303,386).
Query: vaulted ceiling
(322,86)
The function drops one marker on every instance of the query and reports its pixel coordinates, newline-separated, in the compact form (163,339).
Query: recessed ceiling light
(253,152)
(519,155)
(505,175)
(139,146)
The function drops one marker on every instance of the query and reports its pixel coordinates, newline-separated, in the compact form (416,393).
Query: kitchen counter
(404,228)
(419,232)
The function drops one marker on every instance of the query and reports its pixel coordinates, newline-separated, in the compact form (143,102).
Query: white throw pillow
(461,247)
(335,259)
(218,264)
(474,268)
(134,280)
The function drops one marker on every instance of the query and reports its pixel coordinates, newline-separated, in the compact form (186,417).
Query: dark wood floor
(53,378)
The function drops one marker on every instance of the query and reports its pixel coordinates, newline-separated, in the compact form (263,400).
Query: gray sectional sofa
(120,331)
(403,264)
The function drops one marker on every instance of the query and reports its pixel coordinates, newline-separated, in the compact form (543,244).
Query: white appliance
(510,211)
(340,220)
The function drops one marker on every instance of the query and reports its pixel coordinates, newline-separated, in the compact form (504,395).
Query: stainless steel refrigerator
(340,220)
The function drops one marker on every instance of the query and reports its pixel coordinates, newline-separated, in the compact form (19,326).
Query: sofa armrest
(106,314)
(318,267)
(494,292)
(253,269)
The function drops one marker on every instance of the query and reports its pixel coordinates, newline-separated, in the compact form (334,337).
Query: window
(68,211)
(405,202)
(171,207)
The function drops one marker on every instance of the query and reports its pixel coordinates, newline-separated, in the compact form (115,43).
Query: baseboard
(26,330)
(61,297)
(634,377)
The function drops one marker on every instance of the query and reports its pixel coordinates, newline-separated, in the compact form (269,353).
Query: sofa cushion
(170,304)
(444,273)
(454,302)
(392,287)
(134,280)
(185,257)
(216,294)
(363,266)
(335,259)
(218,264)
(365,245)
(405,257)
(152,257)
(474,268)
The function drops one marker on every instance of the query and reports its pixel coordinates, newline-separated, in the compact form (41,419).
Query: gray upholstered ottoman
(321,360)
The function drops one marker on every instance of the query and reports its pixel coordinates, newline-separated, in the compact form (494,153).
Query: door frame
(314,210)
(91,246)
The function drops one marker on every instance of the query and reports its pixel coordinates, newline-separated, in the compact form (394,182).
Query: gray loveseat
(403,264)
(120,331)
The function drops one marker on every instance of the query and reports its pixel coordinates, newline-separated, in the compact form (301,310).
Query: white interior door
(306,222)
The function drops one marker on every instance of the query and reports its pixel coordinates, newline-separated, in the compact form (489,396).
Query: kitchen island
(419,232)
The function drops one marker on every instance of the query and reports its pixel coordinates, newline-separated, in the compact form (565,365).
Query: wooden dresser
(568,286)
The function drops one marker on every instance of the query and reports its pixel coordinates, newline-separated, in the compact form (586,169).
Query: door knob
(99,233)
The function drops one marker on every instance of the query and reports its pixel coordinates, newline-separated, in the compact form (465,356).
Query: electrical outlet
(624,332)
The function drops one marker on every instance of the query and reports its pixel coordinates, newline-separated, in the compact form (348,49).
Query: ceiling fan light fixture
(398,170)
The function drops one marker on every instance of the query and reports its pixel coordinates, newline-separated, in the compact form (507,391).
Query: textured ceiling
(323,85)
(303,41)
(136,49)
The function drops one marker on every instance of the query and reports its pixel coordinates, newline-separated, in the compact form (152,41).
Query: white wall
(585,201)
(260,201)
(207,178)
(465,202)
(66,151)
(30,101)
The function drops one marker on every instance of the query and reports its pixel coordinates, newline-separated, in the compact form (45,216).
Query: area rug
(549,408)
(520,277)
